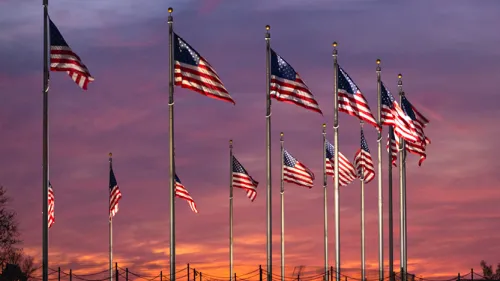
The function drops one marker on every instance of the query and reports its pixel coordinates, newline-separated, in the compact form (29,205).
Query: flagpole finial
(281,134)
(400,76)
(268,27)
(170,10)
(378,61)
(230,142)
(334,44)
(324,125)
(110,154)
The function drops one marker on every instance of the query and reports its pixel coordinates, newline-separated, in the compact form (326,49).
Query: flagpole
(110,225)
(336,160)
(268,156)
(282,191)
(171,143)
(325,205)
(231,210)
(380,193)
(362,180)
(391,222)
(45,154)
(402,192)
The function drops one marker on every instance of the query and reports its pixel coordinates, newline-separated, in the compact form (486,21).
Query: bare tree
(11,251)
(488,271)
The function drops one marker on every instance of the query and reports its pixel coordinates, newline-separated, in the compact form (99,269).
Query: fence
(188,273)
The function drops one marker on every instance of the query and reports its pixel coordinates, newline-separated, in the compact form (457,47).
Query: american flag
(412,147)
(62,58)
(352,101)
(181,192)
(193,72)
(296,172)
(52,218)
(392,115)
(287,86)
(392,146)
(347,173)
(363,161)
(417,118)
(114,194)
(242,179)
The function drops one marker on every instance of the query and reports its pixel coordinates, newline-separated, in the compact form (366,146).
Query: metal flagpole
(391,223)
(45,148)
(268,156)
(362,180)
(110,225)
(336,162)
(231,209)
(380,193)
(171,143)
(325,205)
(402,192)
(282,211)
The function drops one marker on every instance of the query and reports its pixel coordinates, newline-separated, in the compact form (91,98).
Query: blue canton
(329,150)
(345,82)
(184,53)
(407,108)
(56,38)
(364,145)
(280,68)
(387,97)
(288,159)
(177,179)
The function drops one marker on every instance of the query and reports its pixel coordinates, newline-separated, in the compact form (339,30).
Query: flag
(193,72)
(287,86)
(181,192)
(114,194)
(393,147)
(412,147)
(363,161)
(242,179)
(347,173)
(62,58)
(296,172)
(352,101)
(392,115)
(52,218)
(417,118)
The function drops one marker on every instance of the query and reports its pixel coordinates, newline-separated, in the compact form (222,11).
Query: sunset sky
(447,51)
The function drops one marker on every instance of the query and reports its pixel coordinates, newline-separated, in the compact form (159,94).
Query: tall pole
(379,178)
(268,156)
(45,148)
(391,220)
(336,159)
(362,180)
(282,192)
(325,206)
(110,225)
(402,192)
(171,142)
(231,209)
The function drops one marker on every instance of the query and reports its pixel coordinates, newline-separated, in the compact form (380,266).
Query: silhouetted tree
(11,252)
(488,271)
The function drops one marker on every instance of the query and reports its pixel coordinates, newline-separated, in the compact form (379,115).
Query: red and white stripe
(364,165)
(294,92)
(416,148)
(347,173)
(402,124)
(245,182)
(114,197)
(181,192)
(62,58)
(298,174)
(202,79)
(52,218)
(392,147)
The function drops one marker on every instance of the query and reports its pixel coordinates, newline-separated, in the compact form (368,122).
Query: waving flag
(393,147)
(52,218)
(181,192)
(287,86)
(363,161)
(296,172)
(193,72)
(392,115)
(114,194)
(352,101)
(417,118)
(62,58)
(242,179)
(412,147)
(347,173)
